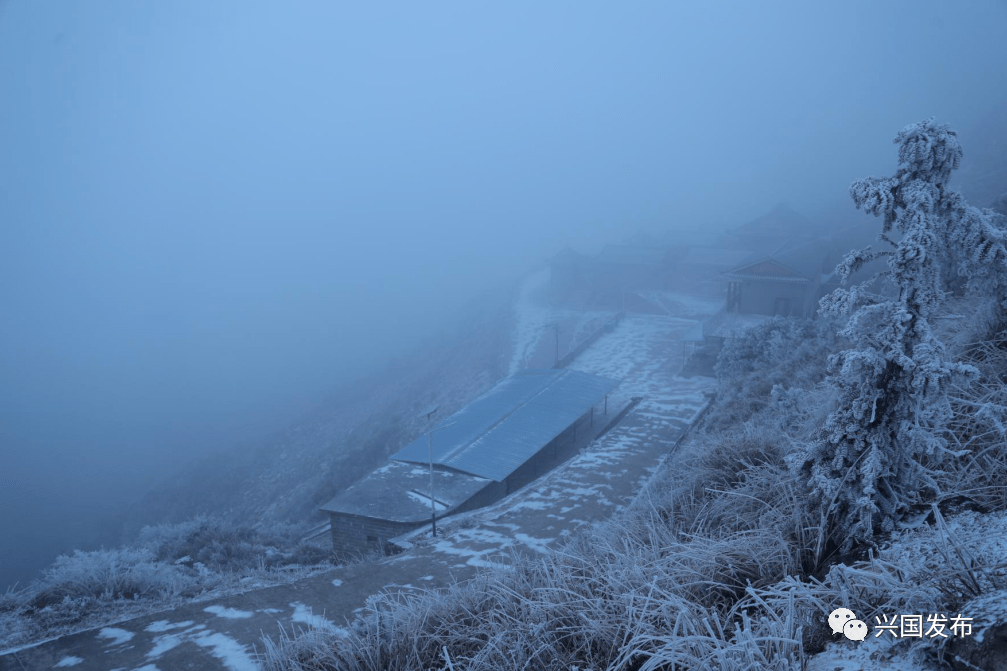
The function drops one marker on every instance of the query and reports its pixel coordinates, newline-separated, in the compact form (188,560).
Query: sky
(212,213)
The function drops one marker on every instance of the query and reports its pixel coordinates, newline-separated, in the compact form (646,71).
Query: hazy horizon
(215,212)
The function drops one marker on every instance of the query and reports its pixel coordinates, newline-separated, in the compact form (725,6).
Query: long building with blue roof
(518,430)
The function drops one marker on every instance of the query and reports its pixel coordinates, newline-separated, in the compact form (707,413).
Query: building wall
(353,535)
(488,495)
(561,448)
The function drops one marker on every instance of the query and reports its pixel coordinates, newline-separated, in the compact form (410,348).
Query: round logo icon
(855,630)
(839,618)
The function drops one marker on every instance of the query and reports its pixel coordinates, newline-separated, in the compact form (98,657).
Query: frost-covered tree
(877,452)
(999,204)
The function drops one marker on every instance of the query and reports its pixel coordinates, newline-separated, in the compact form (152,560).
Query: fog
(214,213)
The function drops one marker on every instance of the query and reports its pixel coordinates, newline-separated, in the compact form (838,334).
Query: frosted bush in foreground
(170,564)
(781,353)
(879,450)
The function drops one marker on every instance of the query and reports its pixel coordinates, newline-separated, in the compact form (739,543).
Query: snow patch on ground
(68,661)
(228,613)
(425,501)
(304,615)
(117,636)
(163,644)
(540,545)
(530,320)
(231,654)
(336,582)
(166,642)
(164,625)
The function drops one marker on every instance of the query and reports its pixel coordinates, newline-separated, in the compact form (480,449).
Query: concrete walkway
(644,351)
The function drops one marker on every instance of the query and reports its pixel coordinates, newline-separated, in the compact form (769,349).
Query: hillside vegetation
(835,452)
(168,565)
(721,563)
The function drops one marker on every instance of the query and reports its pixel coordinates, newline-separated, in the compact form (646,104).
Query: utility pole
(430,445)
(429,414)
(555,327)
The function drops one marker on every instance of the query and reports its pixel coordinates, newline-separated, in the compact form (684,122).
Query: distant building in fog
(700,270)
(785,281)
(774,228)
(606,279)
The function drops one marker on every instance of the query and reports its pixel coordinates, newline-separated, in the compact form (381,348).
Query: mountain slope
(287,475)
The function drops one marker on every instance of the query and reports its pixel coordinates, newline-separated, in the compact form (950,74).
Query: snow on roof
(400,492)
(502,429)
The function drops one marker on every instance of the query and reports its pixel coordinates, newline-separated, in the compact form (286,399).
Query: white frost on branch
(877,453)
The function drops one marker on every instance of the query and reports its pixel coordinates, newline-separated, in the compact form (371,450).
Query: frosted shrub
(780,352)
(168,565)
(879,450)
(108,575)
(225,547)
(999,205)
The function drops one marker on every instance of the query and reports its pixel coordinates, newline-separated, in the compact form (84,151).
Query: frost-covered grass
(658,583)
(720,563)
(168,565)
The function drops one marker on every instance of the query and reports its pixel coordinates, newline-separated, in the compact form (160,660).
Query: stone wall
(353,535)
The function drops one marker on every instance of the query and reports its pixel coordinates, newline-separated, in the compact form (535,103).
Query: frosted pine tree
(877,452)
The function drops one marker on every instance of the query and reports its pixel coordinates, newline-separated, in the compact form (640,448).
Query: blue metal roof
(400,492)
(502,429)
